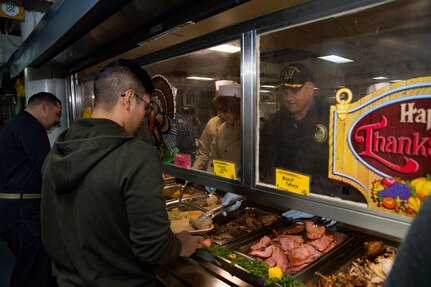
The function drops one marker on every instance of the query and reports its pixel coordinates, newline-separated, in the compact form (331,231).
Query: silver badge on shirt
(320,133)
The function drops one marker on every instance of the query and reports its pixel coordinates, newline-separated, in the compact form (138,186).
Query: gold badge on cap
(291,72)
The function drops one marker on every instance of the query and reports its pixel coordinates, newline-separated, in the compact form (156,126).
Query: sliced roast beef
(263,253)
(322,243)
(330,246)
(299,228)
(278,258)
(293,252)
(263,242)
(290,241)
(294,269)
(314,231)
(302,255)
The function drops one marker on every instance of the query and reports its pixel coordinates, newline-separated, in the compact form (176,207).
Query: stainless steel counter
(204,269)
(196,272)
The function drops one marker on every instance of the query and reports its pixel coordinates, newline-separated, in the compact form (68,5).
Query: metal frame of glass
(248,33)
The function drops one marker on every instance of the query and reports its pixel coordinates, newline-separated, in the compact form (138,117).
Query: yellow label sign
(293,182)
(224,169)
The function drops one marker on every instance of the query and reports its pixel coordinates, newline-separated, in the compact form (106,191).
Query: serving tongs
(327,222)
(218,210)
(183,188)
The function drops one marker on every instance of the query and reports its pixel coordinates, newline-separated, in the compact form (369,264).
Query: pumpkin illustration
(422,186)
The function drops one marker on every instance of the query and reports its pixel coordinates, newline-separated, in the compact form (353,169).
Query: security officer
(24,145)
(296,137)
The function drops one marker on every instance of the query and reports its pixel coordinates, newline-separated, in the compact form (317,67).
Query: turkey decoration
(161,117)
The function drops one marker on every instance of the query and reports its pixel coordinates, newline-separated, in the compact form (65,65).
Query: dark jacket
(104,219)
(24,145)
(411,266)
(286,143)
(301,146)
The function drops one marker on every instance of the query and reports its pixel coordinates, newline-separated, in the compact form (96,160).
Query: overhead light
(267,86)
(380,78)
(395,81)
(264,91)
(226,48)
(200,78)
(336,59)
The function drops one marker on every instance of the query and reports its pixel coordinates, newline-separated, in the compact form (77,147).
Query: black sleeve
(35,143)
(414,256)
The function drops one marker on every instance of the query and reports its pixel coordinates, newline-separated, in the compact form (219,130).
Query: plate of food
(188,220)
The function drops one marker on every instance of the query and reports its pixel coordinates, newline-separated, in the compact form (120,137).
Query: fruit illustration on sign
(389,202)
(414,203)
(422,186)
(399,195)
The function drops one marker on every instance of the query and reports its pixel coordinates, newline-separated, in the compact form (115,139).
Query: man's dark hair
(116,78)
(43,97)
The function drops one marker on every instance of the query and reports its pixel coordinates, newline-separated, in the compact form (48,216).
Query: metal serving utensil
(218,210)
(183,188)
(326,222)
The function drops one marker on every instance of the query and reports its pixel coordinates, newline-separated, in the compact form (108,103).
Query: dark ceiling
(82,34)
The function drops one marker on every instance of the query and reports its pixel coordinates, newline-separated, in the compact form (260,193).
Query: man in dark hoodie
(104,219)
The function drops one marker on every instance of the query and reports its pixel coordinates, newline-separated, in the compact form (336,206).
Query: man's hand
(189,243)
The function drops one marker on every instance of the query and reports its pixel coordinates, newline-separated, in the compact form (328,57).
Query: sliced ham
(330,246)
(295,230)
(263,242)
(263,253)
(295,269)
(303,255)
(290,241)
(322,243)
(293,252)
(314,231)
(279,259)
(271,261)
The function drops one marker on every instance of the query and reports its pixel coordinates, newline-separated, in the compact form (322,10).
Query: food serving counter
(367,128)
(247,239)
